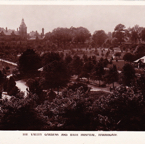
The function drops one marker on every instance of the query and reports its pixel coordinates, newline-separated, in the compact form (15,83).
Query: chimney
(42,31)
(6,29)
(17,29)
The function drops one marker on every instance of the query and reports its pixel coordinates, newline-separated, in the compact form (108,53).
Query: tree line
(75,37)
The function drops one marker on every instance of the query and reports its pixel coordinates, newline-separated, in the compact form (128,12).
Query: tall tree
(68,59)
(56,75)
(143,34)
(87,69)
(60,36)
(128,74)
(50,57)
(112,75)
(98,72)
(29,62)
(76,65)
(80,34)
(99,38)
(119,33)
(128,57)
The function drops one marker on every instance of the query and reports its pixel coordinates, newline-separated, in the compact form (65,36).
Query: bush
(122,110)
(77,85)
(20,114)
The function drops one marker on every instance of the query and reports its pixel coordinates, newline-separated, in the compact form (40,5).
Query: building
(33,35)
(23,30)
(20,34)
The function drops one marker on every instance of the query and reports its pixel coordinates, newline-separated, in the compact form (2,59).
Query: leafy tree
(136,33)
(87,69)
(143,34)
(34,87)
(98,72)
(2,77)
(10,86)
(141,84)
(104,62)
(80,34)
(107,53)
(29,62)
(128,57)
(60,37)
(119,33)
(94,60)
(52,95)
(140,49)
(134,36)
(50,57)
(68,59)
(85,58)
(128,74)
(56,74)
(99,38)
(112,75)
(121,110)
(60,112)
(76,65)
(2,80)
(20,114)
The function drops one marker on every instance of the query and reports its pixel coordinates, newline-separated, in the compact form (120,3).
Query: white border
(75,2)
(17,137)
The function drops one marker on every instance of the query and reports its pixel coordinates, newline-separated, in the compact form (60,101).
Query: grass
(119,64)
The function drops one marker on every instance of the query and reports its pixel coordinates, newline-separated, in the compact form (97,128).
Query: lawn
(119,64)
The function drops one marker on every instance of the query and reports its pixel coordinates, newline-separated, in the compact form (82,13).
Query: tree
(128,57)
(85,58)
(98,72)
(68,59)
(34,87)
(103,62)
(56,75)
(128,74)
(63,37)
(87,69)
(143,34)
(59,36)
(134,36)
(50,57)
(2,77)
(99,38)
(21,114)
(119,33)
(140,49)
(80,34)
(10,86)
(121,110)
(112,75)
(29,62)
(76,65)
(141,84)
(136,33)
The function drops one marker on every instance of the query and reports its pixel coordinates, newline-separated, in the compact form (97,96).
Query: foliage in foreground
(76,110)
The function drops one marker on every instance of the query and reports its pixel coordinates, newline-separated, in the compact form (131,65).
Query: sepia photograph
(72,68)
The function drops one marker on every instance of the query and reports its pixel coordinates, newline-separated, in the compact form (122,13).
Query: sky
(92,17)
